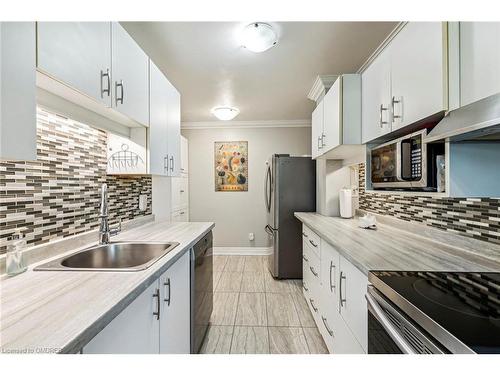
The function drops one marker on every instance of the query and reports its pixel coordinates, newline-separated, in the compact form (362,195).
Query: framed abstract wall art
(231,166)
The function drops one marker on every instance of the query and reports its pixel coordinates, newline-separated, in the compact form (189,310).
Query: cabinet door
(479,60)
(376,98)
(134,331)
(345,342)
(174,130)
(184,155)
(317,129)
(175,318)
(158,121)
(352,289)
(79,55)
(17,91)
(130,71)
(417,73)
(332,132)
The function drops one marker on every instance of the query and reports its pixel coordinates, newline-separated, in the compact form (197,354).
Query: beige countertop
(393,248)
(61,311)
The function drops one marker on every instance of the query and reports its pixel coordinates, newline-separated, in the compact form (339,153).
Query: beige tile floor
(256,314)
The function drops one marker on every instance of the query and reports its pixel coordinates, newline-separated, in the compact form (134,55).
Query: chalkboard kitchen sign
(231,166)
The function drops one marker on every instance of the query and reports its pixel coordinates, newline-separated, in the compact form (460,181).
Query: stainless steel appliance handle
(167,284)
(330,332)
(267,189)
(157,296)
(375,309)
(342,299)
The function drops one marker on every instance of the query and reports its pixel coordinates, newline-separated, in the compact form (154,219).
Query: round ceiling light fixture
(258,37)
(225,113)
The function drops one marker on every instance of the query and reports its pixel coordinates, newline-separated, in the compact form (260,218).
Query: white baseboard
(243,250)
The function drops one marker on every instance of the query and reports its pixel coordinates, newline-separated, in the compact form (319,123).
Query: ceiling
(209,68)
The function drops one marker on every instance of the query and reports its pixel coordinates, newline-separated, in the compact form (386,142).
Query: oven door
(390,331)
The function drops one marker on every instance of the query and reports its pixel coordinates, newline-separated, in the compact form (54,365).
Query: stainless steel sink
(115,256)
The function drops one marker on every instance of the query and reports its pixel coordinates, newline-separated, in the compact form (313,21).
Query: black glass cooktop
(465,304)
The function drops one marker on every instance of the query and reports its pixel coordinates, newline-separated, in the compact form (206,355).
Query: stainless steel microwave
(401,163)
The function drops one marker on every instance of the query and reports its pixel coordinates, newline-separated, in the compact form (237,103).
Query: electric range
(433,312)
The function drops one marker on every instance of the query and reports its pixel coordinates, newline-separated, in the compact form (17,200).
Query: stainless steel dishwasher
(202,290)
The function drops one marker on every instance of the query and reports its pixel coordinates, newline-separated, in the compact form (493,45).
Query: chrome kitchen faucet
(105,232)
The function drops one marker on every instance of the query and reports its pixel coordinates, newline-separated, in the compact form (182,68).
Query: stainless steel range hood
(477,121)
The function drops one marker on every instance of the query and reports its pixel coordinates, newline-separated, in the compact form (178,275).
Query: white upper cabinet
(158,122)
(376,98)
(78,54)
(407,82)
(130,76)
(175,322)
(174,130)
(17,91)
(479,60)
(418,72)
(332,133)
(317,129)
(336,121)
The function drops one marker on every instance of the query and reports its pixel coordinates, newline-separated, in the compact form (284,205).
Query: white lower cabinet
(157,321)
(336,297)
(175,314)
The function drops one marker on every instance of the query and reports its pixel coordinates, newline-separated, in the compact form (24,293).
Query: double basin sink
(115,256)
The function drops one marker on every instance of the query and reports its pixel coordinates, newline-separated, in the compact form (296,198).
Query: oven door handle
(375,309)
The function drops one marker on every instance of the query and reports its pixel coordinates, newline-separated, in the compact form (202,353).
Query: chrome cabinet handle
(305,258)
(313,272)
(172,164)
(119,98)
(323,136)
(332,286)
(319,140)
(305,287)
(393,102)
(157,296)
(305,235)
(330,332)
(165,164)
(312,243)
(182,191)
(381,120)
(342,299)
(311,301)
(167,284)
(106,90)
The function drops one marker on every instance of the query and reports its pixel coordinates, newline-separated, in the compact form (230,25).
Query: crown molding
(246,124)
(321,84)
(382,46)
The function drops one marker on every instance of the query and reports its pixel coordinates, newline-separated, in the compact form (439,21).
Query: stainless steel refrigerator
(290,186)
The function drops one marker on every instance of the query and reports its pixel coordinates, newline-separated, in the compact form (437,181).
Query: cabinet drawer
(312,239)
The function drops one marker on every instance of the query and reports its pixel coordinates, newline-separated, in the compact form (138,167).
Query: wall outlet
(251,236)
(143,202)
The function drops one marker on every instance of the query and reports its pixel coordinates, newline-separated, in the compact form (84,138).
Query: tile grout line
(237,307)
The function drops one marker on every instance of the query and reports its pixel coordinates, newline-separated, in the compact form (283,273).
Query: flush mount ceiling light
(225,113)
(258,37)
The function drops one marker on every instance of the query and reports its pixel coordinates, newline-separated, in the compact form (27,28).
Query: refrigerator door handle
(267,189)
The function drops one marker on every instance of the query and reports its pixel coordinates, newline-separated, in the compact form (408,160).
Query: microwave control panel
(416,163)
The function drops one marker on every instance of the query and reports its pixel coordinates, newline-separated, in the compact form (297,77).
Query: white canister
(346,203)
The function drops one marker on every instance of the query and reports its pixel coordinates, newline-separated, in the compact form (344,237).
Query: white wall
(237,213)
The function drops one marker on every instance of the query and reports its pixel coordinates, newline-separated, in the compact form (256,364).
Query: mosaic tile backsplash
(478,218)
(59,194)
